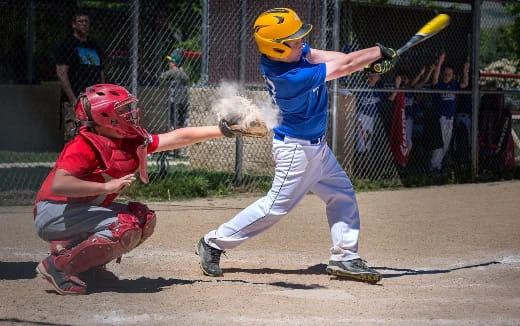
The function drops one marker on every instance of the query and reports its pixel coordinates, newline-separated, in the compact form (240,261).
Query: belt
(464,115)
(315,141)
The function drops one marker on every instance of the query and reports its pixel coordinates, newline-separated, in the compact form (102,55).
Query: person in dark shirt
(78,64)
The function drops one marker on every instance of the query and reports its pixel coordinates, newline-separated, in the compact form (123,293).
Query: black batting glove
(380,66)
(386,53)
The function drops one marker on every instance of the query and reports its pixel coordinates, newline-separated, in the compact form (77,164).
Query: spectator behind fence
(445,104)
(177,80)
(496,146)
(369,105)
(401,132)
(79,64)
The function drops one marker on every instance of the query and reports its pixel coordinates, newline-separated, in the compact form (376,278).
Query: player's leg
(294,175)
(336,190)
(104,234)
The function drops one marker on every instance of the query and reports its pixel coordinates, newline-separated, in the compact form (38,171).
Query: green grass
(182,183)
(14,157)
(18,186)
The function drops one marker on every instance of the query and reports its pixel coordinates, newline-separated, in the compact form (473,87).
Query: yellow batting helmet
(276,26)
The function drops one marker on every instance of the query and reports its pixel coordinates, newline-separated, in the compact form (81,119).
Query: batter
(295,77)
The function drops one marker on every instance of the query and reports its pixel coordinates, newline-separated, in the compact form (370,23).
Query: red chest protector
(119,156)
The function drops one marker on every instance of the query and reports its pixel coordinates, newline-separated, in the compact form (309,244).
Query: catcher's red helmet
(111,106)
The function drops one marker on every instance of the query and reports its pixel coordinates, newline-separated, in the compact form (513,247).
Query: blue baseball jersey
(370,103)
(409,105)
(446,101)
(298,89)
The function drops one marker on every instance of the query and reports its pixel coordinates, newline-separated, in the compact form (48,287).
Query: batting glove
(387,53)
(380,66)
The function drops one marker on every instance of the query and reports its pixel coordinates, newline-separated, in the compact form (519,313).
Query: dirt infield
(450,255)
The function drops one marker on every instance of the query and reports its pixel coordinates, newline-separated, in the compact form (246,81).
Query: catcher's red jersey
(84,161)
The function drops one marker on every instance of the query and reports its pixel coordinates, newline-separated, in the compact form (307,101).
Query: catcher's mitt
(253,128)
(239,117)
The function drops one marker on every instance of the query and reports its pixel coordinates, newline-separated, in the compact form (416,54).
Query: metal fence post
(135,46)
(239,143)
(30,42)
(204,64)
(335,83)
(475,98)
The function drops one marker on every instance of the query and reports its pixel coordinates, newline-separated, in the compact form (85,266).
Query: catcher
(74,209)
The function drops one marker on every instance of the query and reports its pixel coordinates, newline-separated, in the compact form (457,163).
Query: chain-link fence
(418,121)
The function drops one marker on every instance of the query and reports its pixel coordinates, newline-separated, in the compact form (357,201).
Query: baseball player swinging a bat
(295,77)
(74,209)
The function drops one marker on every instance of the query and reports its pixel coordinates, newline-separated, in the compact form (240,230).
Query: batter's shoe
(354,269)
(63,283)
(209,258)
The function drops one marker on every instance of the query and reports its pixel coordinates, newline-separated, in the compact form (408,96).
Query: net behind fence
(413,124)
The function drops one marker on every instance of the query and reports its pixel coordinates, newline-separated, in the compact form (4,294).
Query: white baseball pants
(439,153)
(300,167)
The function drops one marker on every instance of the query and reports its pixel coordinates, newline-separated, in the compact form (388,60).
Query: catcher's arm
(187,136)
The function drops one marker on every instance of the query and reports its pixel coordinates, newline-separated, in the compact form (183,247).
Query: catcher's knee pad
(127,231)
(92,252)
(147,218)
(96,250)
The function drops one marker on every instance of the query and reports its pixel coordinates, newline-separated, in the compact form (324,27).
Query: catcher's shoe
(354,269)
(209,258)
(99,275)
(63,283)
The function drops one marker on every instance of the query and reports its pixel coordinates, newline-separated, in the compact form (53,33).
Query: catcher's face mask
(114,107)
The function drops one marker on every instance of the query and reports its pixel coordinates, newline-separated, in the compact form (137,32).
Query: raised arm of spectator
(426,77)
(437,72)
(465,75)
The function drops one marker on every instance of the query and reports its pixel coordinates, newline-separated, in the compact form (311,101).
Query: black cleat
(354,269)
(209,258)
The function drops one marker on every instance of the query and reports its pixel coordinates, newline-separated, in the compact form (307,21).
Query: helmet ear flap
(272,49)
(82,112)
(79,108)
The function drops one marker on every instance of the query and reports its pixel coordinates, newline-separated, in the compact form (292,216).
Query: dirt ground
(450,255)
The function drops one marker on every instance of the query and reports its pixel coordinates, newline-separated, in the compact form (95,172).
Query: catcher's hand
(252,128)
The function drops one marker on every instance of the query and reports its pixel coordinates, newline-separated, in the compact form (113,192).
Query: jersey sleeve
(152,146)
(62,55)
(77,158)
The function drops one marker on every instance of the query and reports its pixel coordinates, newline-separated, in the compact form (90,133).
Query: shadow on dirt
(148,285)
(17,270)
(317,269)
(408,272)
(13,321)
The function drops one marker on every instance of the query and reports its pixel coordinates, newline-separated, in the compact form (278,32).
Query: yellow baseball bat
(431,28)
